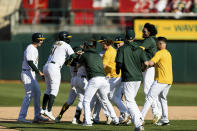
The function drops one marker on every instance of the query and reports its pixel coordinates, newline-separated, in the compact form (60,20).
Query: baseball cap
(119,39)
(130,34)
(102,38)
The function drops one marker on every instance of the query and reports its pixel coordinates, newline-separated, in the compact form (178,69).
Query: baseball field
(182,101)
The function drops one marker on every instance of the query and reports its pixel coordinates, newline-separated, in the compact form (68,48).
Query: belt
(83,76)
(54,63)
(27,70)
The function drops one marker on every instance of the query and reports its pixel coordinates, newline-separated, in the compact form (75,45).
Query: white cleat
(163,123)
(140,128)
(75,121)
(49,115)
(124,118)
(156,118)
(85,124)
(42,112)
(109,120)
(116,121)
(129,122)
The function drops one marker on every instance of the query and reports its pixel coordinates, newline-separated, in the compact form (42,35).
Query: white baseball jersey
(60,51)
(30,54)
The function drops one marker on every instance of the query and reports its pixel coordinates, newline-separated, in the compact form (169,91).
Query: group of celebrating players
(113,75)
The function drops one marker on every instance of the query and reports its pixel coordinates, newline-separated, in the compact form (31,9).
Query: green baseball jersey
(131,57)
(149,46)
(93,63)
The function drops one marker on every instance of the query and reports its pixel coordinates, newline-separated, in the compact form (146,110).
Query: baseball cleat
(40,119)
(124,118)
(116,121)
(42,112)
(23,121)
(49,115)
(85,124)
(163,123)
(156,118)
(109,120)
(95,121)
(129,122)
(140,128)
(75,121)
(58,118)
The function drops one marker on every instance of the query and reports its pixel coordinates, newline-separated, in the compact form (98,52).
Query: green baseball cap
(102,38)
(130,34)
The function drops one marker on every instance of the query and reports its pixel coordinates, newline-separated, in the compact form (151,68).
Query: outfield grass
(67,126)
(12,94)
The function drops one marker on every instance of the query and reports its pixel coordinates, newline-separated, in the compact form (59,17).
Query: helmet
(119,39)
(102,39)
(64,36)
(37,37)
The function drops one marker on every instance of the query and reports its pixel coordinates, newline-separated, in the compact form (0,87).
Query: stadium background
(86,19)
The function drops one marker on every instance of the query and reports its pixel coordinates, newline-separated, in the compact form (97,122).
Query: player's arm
(144,60)
(155,59)
(70,59)
(71,55)
(145,45)
(34,68)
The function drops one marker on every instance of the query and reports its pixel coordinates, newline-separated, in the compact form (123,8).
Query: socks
(45,101)
(51,101)
(77,114)
(64,108)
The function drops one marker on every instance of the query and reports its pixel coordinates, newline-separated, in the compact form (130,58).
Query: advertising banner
(171,29)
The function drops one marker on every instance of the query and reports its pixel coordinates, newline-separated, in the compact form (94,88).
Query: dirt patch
(175,113)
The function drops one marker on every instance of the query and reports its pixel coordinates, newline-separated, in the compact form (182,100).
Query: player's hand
(41,75)
(79,52)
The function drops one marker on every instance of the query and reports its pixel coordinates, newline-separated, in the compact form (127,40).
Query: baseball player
(28,77)
(118,42)
(95,74)
(96,103)
(129,59)
(102,38)
(162,61)
(60,52)
(73,91)
(115,91)
(150,48)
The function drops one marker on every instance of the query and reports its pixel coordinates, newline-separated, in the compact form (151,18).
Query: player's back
(60,52)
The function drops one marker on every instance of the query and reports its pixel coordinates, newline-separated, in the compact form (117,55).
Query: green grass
(12,94)
(180,125)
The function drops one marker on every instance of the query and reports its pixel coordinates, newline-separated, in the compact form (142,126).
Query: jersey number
(53,50)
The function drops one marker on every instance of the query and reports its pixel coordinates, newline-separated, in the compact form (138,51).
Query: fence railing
(88,17)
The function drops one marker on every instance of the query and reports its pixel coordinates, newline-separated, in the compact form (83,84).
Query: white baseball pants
(115,94)
(80,83)
(130,92)
(148,76)
(31,90)
(96,84)
(157,90)
(52,78)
